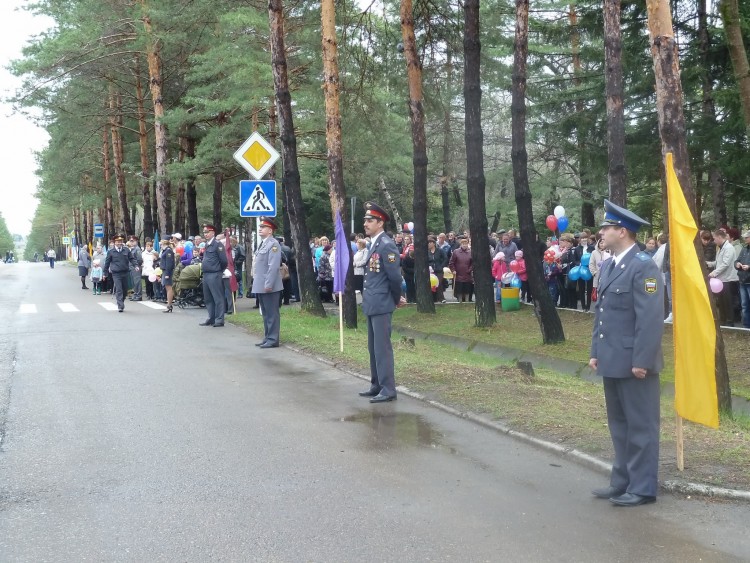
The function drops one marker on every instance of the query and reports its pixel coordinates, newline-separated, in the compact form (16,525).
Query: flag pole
(341,323)
(680,444)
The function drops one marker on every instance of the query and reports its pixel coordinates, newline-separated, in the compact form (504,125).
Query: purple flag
(342,256)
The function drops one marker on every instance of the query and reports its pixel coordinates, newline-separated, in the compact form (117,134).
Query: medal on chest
(375,262)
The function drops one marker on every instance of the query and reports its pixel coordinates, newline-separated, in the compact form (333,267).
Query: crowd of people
(571,265)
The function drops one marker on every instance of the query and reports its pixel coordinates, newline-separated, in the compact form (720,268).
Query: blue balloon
(403,285)
(189,245)
(574,273)
(515,282)
(586,274)
(586,259)
(562,224)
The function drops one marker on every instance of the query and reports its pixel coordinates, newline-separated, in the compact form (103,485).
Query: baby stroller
(189,289)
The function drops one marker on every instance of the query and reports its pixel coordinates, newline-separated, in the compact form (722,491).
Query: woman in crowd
(407,268)
(325,275)
(359,261)
(462,267)
(167,264)
(84,263)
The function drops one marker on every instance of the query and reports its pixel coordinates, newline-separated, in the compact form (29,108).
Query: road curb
(582,458)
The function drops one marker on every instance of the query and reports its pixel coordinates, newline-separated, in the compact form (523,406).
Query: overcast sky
(19,138)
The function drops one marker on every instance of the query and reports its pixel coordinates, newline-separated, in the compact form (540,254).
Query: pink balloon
(514,266)
(152,278)
(716,285)
(551,222)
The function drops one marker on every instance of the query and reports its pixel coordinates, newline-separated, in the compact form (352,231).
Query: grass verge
(560,408)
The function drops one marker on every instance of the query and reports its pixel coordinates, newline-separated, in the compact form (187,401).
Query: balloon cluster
(557,221)
(552,254)
(580,273)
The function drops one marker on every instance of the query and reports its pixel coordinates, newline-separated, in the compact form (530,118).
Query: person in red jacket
(523,276)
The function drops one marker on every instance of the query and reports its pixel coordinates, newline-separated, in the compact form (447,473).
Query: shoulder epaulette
(643,256)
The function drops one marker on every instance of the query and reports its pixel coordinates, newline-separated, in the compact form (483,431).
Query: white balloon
(559,211)
(411,226)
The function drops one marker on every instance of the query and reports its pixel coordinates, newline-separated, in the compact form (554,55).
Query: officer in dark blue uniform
(214,264)
(119,261)
(626,351)
(381,295)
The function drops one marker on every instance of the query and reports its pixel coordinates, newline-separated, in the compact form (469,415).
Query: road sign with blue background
(98,230)
(258,198)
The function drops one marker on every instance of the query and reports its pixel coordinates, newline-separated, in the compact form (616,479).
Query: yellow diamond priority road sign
(256,155)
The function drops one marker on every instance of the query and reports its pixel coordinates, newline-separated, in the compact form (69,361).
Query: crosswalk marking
(67,307)
(152,305)
(108,306)
(27,308)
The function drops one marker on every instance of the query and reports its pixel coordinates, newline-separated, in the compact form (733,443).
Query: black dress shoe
(120,310)
(217,325)
(631,499)
(607,492)
(383,398)
(261,343)
(370,393)
(206,323)
(268,345)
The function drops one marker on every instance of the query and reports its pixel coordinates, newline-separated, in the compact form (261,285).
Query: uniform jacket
(167,262)
(629,320)
(214,257)
(382,283)
(266,264)
(119,262)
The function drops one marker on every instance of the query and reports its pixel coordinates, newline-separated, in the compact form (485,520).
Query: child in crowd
(523,276)
(499,267)
(96,277)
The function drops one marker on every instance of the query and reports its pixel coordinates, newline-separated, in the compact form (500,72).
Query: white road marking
(27,308)
(68,308)
(108,306)
(152,305)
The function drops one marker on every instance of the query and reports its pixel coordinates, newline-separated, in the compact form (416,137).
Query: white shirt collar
(623,253)
(375,239)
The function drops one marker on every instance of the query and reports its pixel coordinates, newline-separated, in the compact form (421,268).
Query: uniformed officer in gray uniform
(213,266)
(119,261)
(381,295)
(267,283)
(626,351)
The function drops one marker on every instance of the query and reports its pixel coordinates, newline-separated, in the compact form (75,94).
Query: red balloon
(551,222)
(406,226)
(549,256)
(514,266)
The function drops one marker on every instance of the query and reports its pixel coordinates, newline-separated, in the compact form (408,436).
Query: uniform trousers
(135,276)
(213,295)
(120,281)
(269,308)
(382,368)
(633,418)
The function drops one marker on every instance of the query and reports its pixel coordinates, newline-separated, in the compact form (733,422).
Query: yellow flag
(693,329)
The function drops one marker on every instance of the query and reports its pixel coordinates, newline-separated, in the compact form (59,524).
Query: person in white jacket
(360,260)
(723,269)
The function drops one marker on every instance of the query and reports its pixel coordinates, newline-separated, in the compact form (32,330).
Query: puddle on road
(392,429)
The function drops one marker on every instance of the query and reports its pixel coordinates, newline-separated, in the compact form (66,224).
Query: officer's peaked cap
(617,216)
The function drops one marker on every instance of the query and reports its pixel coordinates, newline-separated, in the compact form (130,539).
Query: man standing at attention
(381,295)
(214,264)
(119,262)
(626,351)
(267,282)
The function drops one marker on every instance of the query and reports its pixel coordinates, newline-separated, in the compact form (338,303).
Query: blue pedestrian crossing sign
(258,198)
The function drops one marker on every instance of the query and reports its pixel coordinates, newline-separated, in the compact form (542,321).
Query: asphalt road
(144,437)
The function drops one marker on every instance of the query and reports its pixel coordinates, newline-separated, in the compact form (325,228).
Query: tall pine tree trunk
(148,218)
(708,109)
(549,320)
(730,16)
(115,125)
(292,191)
(584,172)
(109,220)
(447,165)
(617,173)
(337,190)
(484,310)
(673,135)
(425,304)
(163,195)
(217,199)
(187,145)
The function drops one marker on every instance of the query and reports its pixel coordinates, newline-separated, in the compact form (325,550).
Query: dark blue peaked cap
(614,215)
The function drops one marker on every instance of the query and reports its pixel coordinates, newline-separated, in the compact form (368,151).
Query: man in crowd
(118,264)
(626,351)
(267,283)
(380,297)
(214,264)
(743,272)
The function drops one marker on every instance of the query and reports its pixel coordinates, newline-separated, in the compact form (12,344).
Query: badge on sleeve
(650,285)
(391,258)
(274,249)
